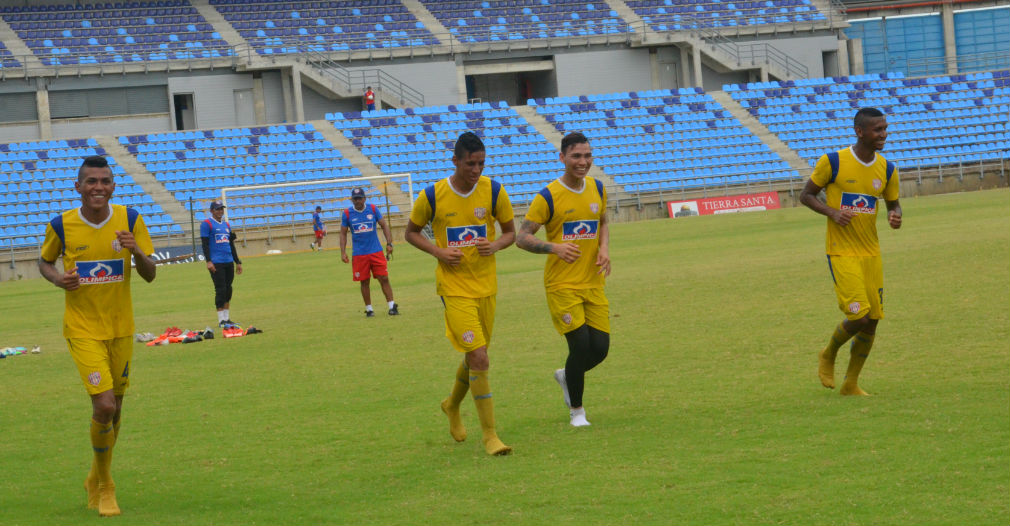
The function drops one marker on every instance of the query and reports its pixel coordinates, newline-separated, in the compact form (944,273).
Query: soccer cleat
(456,428)
(395,311)
(578,417)
(37,349)
(107,505)
(852,390)
(494,446)
(826,368)
(208,334)
(559,376)
(91,486)
(369,313)
(312,246)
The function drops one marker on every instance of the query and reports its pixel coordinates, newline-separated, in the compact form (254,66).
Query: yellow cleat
(852,390)
(826,368)
(494,446)
(91,486)
(107,505)
(456,428)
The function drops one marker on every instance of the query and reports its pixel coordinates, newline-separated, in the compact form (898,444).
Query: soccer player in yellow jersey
(854,179)
(462,210)
(574,210)
(96,242)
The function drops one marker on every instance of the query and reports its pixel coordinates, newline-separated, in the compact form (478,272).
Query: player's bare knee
(103,408)
(477,359)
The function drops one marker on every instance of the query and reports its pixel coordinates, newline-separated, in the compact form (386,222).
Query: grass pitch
(708,410)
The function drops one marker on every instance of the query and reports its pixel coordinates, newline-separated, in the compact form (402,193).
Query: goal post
(257,204)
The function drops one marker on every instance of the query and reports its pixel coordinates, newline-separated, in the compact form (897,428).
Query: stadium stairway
(16,46)
(217,21)
(145,179)
(554,136)
(422,14)
(762,132)
(360,161)
(628,14)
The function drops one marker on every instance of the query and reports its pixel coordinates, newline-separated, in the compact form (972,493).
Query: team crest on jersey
(363,227)
(581,229)
(95,378)
(467,336)
(368,217)
(876,184)
(854,307)
(464,236)
(116,245)
(479,212)
(566,318)
(594,207)
(859,203)
(100,272)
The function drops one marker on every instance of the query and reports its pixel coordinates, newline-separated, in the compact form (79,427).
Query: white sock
(227,315)
(220,316)
(579,417)
(391,303)
(368,308)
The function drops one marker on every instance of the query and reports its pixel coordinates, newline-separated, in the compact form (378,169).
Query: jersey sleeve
(603,197)
(344,221)
(822,172)
(421,213)
(538,210)
(52,247)
(204,229)
(143,237)
(504,213)
(891,190)
(378,213)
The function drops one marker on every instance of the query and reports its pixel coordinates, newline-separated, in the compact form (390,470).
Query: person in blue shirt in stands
(367,252)
(222,259)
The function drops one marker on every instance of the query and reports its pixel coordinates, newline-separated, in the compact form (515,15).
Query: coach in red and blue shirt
(361,219)
(222,259)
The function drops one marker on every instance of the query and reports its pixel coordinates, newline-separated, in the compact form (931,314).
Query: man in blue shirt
(318,228)
(222,259)
(361,219)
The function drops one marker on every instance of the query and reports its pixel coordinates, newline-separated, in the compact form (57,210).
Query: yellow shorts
(468,321)
(573,308)
(859,285)
(103,364)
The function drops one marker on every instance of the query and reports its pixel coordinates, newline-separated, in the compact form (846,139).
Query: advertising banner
(724,205)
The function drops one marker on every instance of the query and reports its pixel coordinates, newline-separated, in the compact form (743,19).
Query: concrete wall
(809,51)
(19,132)
(603,71)
(213,95)
(713,80)
(127,125)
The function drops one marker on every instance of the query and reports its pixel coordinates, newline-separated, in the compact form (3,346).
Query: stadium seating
(420,141)
(7,59)
(934,120)
(122,32)
(198,164)
(675,15)
(666,139)
(481,21)
(37,183)
(293,26)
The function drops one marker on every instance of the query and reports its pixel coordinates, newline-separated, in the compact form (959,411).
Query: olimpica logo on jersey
(100,272)
(859,203)
(464,236)
(363,227)
(581,229)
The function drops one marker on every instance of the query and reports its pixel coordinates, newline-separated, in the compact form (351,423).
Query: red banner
(724,205)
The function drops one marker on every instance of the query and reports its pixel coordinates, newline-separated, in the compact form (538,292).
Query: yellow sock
(450,406)
(102,439)
(480,388)
(826,358)
(860,350)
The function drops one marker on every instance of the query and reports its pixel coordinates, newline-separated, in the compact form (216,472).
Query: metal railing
(962,63)
(356,80)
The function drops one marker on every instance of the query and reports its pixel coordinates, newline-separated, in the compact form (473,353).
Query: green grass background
(708,410)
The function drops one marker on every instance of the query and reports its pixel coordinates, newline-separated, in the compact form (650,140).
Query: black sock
(575,365)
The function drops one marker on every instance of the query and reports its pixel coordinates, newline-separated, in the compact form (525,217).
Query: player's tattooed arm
(528,241)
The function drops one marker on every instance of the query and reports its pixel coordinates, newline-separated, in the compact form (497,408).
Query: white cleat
(559,376)
(579,417)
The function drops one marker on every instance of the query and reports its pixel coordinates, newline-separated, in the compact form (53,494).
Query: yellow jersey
(571,216)
(457,220)
(101,308)
(851,184)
